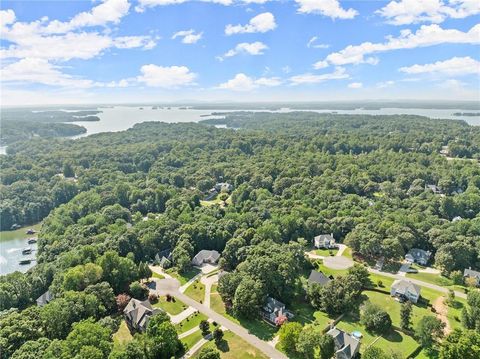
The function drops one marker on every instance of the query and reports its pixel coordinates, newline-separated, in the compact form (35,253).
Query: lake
(120,118)
(11,245)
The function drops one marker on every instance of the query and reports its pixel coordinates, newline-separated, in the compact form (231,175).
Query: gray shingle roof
(206,256)
(344,342)
(317,277)
(471,273)
(402,286)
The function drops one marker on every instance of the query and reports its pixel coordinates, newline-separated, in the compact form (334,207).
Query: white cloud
(261,23)
(7,17)
(309,78)
(41,39)
(330,8)
(254,48)
(242,82)
(188,36)
(166,77)
(129,42)
(152,3)
(40,71)
(426,35)
(385,84)
(403,12)
(312,44)
(355,85)
(455,66)
(109,11)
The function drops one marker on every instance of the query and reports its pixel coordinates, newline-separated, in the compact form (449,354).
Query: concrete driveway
(171,286)
(337,262)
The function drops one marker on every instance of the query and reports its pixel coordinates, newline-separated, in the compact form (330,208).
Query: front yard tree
(463,344)
(204,327)
(209,353)
(308,342)
(374,353)
(375,319)
(249,297)
(406,315)
(471,314)
(361,275)
(327,346)
(218,335)
(429,329)
(288,335)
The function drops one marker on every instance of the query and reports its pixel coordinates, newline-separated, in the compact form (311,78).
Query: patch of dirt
(441,311)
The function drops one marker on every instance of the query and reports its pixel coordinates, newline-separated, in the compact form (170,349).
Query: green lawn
(191,322)
(157,275)
(192,339)
(326,252)
(196,291)
(432,278)
(306,314)
(173,307)
(234,347)
(455,312)
(122,336)
(257,327)
(392,341)
(392,307)
(347,253)
(185,276)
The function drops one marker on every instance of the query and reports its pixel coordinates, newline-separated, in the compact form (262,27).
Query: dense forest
(363,178)
(25,124)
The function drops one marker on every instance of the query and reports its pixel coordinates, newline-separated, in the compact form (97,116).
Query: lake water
(11,245)
(120,118)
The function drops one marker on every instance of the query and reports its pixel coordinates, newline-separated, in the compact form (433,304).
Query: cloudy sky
(259,50)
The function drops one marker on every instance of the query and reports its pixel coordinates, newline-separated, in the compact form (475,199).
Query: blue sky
(240,50)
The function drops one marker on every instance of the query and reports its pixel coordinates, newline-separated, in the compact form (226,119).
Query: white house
(417,255)
(324,241)
(404,289)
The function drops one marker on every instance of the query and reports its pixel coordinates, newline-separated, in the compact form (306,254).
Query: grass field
(392,307)
(122,336)
(185,276)
(196,291)
(326,252)
(173,307)
(393,341)
(432,278)
(191,322)
(256,327)
(234,347)
(157,275)
(192,339)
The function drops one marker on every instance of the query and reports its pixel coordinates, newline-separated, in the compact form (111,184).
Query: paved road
(419,282)
(171,286)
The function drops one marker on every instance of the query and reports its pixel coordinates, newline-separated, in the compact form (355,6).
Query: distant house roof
(272,305)
(324,237)
(137,313)
(344,343)
(403,286)
(471,273)
(456,219)
(317,277)
(434,188)
(44,299)
(210,256)
(419,254)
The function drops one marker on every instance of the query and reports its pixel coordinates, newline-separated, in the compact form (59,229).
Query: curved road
(171,286)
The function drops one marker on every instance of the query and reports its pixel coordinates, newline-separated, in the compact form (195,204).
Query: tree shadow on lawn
(393,336)
(457,305)
(223,346)
(256,326)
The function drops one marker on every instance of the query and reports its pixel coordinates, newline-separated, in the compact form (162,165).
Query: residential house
(318,278)
(44,299)
(470,273)
(404,289)
(205,256)
(325,241)
(434,188)
(346,345)
(417,255)
(164,258)
(223,187)
(137,313)
(273,309)
(456,219)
